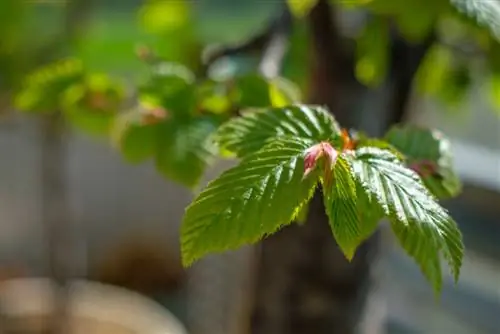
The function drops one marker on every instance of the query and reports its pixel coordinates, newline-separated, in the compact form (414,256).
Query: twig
(55,206)
(272,41)
(55,216)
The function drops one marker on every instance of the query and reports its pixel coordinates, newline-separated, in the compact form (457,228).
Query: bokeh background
(124,218)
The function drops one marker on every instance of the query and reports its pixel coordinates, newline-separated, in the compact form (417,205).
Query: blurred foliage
(135,73)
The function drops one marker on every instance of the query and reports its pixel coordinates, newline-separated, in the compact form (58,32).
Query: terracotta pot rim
(26,297)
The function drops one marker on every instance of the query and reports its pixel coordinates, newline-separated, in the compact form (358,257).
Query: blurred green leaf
(414,18)
(214,97)
(158,16)
(372,52)
(183,150)
(172,87)
(494,91)
(283,92)
(301,8)
(252,90)
(43,90)
(138,142)
(433,72)
(92,105)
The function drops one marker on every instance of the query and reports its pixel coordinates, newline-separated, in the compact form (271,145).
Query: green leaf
(301,216)
(372,52)
(163,16)
(352,215)
(248,202)
(341,208)
(138,142)
(213,97)
(301,8)
(423,227)
(433,72)
(249,133)
(183,150)
(485,12)
(172,87)
(283,93)
(251,91)
(92,105)
(428,152)
(42,91)
(494,91)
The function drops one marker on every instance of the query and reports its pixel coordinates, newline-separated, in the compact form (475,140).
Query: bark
(56,216)
(304,283)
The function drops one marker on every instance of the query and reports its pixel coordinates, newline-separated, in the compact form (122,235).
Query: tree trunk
(304,283)
(55,216)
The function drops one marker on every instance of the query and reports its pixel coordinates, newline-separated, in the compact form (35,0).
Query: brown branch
(330,62)
(405,61)
(55,216)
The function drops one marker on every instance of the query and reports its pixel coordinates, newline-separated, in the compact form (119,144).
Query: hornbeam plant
(286,149)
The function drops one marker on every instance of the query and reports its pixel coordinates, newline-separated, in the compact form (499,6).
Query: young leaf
(428,152)
(247,202)
(183,150)
(249,133)
(341,208)
(422,226)
(352,214)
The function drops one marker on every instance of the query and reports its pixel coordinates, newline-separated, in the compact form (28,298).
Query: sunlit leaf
(423,227)
(247,202)
(255,129)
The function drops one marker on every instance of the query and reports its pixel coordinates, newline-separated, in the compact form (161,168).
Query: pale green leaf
(248,202)
(428,152)
(249,133)
(283,92)
(422,226)
(301,8)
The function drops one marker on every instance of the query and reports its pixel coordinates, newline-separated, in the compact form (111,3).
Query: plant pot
(94,309)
